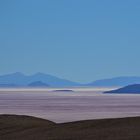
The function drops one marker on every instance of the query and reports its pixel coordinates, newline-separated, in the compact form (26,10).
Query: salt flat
(82,104)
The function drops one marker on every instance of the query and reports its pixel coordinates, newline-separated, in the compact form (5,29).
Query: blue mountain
(117,81)
(38,84)
(19,79)
(127,89)
(24,80)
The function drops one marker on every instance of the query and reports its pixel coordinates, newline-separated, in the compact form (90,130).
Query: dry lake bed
(66,106)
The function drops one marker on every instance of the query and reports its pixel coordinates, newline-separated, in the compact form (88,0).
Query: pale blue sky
(80,40)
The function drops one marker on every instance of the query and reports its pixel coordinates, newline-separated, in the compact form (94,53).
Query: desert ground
(66,106)
(13,127)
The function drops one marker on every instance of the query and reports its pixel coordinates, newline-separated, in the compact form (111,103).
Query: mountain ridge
(22,80)
(130,89)
(38,84)
(116,81)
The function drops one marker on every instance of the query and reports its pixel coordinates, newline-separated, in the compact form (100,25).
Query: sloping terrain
(13,127)
(135,88)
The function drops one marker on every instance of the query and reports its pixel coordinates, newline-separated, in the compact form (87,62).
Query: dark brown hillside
(14,127)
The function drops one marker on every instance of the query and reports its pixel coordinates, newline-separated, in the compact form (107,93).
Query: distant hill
(128,89)
(38,84)
(117,81)
(24,80)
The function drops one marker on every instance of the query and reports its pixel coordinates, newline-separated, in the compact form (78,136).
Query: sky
(79,40)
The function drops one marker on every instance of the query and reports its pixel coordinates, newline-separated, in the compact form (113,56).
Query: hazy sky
(80,40)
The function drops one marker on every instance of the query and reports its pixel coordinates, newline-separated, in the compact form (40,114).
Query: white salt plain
(82,104)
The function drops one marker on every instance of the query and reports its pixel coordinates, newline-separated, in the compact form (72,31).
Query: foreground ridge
(20,127)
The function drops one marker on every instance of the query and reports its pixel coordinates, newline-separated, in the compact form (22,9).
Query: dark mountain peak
(135,88)
(38,84)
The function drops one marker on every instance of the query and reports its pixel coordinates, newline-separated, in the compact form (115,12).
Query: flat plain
(60,107)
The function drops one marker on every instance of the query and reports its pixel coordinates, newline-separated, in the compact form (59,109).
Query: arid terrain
(81,104)
(68,114)
(13,127)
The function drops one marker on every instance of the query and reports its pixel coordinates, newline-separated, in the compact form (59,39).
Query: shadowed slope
(30,128)
(128,89)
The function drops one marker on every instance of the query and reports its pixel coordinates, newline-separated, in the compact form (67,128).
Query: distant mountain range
(127,89)
(44,80)
(117,81)
(38,84)
(37,80)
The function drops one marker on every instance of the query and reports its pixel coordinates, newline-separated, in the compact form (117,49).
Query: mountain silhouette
(24,80)
(38,84)
(21,80)
(117,81)
(127,89)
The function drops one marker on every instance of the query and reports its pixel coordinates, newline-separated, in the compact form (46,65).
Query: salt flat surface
(82,104)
